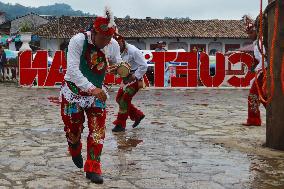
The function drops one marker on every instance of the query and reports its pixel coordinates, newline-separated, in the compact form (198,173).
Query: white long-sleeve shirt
(135,58)
(258,56)
(75,48)
(112,52)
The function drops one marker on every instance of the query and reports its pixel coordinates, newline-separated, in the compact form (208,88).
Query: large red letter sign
(247,60)
(30,69)
(190,70)
(212,81)
(57,69)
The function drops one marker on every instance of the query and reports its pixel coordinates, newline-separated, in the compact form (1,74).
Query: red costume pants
(254,102)
(73,118)
(126,108)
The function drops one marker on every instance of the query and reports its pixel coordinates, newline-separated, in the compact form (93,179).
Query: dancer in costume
(83,93)
(254,100)
(130,86)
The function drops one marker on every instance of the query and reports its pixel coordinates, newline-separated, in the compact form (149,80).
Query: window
(198,47)
(214,47)
(231,47)
(153,46)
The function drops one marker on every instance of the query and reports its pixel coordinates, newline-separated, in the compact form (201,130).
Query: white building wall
(190,41)
(51,45)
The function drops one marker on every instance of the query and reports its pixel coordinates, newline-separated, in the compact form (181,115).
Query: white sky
(194,9)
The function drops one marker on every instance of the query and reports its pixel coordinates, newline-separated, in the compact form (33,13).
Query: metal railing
(10,73)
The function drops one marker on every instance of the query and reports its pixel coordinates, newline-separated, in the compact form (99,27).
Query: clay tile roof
(149,28)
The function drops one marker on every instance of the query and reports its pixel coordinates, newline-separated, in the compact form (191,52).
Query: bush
(25,27)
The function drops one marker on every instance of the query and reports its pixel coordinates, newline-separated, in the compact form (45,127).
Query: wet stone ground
(174,147)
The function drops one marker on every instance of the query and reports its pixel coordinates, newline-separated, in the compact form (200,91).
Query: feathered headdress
(110,17)
(105,25)
(249,23)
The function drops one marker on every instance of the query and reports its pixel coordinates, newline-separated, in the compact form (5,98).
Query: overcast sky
(194,9)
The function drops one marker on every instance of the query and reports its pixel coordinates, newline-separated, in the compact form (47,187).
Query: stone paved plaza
(189,139)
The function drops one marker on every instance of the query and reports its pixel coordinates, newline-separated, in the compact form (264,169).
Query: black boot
(137,122)
(95,178)
(118,128)
(78,161)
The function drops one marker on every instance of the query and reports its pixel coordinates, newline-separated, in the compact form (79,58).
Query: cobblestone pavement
(180,144)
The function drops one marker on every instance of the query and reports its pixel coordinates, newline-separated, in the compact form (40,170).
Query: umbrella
(11,54)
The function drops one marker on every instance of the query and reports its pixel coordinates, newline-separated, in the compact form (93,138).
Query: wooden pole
(275,109)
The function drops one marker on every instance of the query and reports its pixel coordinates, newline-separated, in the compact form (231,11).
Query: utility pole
(275,109)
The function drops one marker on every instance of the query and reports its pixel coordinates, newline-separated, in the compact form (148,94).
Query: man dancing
(254,96)
(130,85)
(83,92)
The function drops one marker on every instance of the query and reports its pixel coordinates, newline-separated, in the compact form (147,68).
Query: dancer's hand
(132,78)
(99,93)
(112,69)
(129,79)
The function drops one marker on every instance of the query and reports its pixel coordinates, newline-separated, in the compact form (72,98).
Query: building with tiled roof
(209,35)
